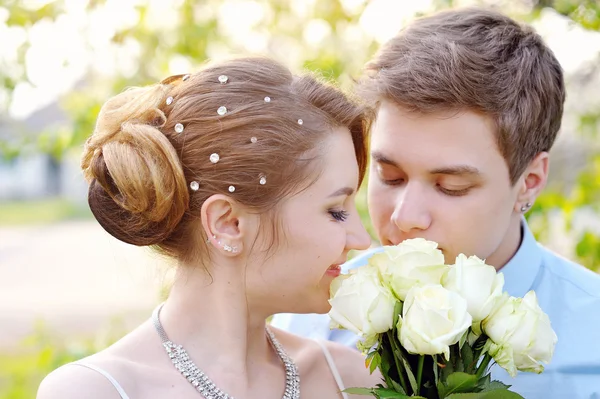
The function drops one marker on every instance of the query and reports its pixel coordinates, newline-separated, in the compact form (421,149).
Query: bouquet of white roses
(433,329)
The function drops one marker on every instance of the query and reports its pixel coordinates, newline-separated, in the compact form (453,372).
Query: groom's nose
(410,211)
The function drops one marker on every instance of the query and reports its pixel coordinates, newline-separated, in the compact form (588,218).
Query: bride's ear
(227,224)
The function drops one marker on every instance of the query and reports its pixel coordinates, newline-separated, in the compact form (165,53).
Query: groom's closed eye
(456,180)
(390,175)
(456,192)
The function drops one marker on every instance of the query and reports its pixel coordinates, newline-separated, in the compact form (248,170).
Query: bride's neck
(209,315)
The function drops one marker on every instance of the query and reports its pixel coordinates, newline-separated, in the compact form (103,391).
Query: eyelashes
(340,216)
(394,182)
(454,193)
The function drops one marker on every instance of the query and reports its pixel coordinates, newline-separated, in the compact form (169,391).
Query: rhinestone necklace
(203,384)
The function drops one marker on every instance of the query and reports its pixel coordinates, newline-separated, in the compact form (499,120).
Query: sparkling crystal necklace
(203,384)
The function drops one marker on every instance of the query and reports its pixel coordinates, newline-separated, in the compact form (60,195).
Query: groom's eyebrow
(456,170)
(380,158)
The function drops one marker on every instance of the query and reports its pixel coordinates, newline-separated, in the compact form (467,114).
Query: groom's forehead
(397,130)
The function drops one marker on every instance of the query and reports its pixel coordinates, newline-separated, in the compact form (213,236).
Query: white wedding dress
(121,391)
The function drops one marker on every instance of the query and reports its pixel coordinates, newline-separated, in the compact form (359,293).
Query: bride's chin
(322,306)
(324,309)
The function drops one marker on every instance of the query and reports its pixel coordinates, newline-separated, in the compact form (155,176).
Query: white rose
(433,318)
(477,282)
(412,262)
(361,304)
(521,336)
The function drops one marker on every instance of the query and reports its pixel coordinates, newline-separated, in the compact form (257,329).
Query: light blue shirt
(567,292)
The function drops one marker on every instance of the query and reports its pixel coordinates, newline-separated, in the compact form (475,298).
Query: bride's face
(319,226)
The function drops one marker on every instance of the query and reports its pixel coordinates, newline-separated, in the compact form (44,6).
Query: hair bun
(138,191)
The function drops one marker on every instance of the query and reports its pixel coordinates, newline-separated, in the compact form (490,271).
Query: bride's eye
(339,215)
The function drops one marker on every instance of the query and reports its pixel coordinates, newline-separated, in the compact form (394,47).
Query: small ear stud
(231,249)
(525,207)
(208,239)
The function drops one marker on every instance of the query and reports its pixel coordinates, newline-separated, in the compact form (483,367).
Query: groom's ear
(533,180)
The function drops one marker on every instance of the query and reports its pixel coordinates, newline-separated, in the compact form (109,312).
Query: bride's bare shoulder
(90,377)
(75,381)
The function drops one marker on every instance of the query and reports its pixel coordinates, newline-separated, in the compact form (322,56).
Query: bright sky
(63,51)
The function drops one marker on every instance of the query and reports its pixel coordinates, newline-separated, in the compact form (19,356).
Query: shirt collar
(521,270)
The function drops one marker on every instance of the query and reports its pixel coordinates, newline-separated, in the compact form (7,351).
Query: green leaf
(360,391)
(397,387)
(484,381)
(495,394)
(461,382)
(494,385)
(373,361)
(411,377)
(456,383)
(466,353)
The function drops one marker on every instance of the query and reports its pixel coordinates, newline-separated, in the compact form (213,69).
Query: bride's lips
(334,270)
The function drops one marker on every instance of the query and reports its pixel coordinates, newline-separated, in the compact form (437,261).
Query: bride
(245,175)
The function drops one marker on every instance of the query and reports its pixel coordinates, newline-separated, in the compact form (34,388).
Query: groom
(469,103)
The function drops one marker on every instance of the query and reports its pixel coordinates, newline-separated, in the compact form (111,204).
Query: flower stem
(420,373)
(484,364)
(397,361)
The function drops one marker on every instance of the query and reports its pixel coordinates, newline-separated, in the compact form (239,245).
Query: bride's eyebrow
(346,191)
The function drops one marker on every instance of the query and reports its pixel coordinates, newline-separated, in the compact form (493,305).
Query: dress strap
(109,377)
(332,367)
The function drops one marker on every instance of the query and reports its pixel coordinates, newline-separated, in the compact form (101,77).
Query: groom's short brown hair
(478,60)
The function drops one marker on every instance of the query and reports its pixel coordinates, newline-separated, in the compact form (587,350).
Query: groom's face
(441,177)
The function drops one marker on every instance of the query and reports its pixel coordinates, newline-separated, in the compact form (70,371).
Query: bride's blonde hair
(140,169)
